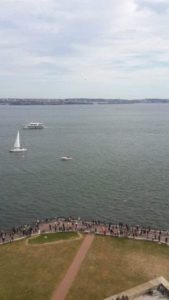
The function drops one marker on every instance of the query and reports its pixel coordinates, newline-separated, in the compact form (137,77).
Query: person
(3,238)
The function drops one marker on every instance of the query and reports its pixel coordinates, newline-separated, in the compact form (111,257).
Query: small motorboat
(66,158)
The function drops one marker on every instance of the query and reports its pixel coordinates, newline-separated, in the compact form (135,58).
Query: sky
(84,48)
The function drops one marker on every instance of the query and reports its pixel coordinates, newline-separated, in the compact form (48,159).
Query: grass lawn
(111,266)
(52,237)
(32,273)
(115,264)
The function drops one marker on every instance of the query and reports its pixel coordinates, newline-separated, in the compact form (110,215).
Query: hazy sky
(84,48)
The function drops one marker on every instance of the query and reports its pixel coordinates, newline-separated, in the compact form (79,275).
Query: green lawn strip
(29,273)
(113,265)
(52,237)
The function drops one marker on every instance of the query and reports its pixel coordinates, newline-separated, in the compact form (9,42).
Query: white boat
(17,147)
(66,158)
(34,125)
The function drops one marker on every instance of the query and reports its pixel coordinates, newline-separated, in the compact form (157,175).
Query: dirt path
(62,290)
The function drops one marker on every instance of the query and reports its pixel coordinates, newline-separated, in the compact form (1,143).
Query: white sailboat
(17,146)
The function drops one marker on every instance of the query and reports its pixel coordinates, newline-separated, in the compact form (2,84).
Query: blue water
(119,171)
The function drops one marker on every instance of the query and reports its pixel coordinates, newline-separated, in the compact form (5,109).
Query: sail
(17,141)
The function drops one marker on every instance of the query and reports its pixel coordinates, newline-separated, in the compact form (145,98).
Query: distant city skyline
(84,48)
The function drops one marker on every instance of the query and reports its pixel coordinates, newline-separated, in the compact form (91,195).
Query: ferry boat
(34,125)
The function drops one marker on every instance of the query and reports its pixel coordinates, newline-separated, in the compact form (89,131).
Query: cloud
(158,6)
(87,46)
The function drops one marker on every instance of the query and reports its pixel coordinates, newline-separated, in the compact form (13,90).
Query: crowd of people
(163,290)
(123,297)
(94,226)
(18,232)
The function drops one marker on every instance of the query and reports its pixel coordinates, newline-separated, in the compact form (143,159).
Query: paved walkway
(65,225)
(67,281)
(140,290)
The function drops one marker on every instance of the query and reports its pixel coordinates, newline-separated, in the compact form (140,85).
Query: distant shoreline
(78,101)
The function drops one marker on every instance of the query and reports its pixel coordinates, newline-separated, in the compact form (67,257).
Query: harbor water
(119,170)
